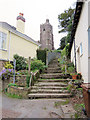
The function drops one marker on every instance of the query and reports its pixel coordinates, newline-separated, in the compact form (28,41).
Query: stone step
(53,68)
(53,65)
(48,95)
(53,75)
(53,71)
(54,60)
(49,87)
(50,84)
(48,91)
(54,80)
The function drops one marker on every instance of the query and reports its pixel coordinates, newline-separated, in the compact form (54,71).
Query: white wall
(82,36)
(89,43)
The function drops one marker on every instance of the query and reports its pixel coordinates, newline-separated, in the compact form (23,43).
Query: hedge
(41,55)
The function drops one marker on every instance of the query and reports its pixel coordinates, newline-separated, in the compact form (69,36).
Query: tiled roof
(77,14)
(13,30)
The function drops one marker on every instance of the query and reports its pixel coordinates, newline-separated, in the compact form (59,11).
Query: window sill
(3,49)
(81,55)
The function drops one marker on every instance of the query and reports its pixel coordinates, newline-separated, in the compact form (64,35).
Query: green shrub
(57,51)
(41,55)
(63,68)
(22,72)
(61,61)
(11,84)
(13,95)
(37,65)
(71,69)
(70,64)
(65,51)
(21,62)
(28,80)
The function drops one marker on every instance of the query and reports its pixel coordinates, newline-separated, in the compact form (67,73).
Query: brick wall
(2,64)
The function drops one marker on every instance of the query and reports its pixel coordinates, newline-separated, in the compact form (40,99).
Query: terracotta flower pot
(74,77)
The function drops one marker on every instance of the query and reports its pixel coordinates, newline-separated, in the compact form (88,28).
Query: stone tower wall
(46,36)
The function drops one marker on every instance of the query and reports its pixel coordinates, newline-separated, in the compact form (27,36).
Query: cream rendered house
(14,41)
(80,40)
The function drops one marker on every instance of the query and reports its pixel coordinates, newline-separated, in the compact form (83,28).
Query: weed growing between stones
(58,103)
(13,95)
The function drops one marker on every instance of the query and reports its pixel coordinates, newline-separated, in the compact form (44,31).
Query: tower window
(44,29)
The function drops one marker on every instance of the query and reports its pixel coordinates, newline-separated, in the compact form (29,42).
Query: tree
(65,25)
(62,42)
(65,20)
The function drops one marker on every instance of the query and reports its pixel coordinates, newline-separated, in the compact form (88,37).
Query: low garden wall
(20,80)
(20,91)
(21,88)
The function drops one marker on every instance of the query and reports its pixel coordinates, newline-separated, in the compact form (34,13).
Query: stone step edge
(56,79)
(62,85)
(48,91)
(48,87)
(49,95)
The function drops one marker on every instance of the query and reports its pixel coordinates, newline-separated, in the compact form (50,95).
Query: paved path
(22,108)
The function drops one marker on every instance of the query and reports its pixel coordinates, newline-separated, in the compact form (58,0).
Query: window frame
(81,49)
(3,39)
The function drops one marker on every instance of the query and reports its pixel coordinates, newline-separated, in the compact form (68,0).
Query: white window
(89,42)
(3,38)
(81,50)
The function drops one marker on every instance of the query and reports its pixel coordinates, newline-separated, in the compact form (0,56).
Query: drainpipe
(75,55)
(9,47)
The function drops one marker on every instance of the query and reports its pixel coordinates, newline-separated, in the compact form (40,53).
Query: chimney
(47,20)
(20,23)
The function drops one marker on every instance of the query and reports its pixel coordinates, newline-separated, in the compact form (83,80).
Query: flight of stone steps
(50,84)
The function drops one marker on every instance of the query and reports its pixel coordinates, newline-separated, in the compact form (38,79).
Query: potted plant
(74,76)
(79,76)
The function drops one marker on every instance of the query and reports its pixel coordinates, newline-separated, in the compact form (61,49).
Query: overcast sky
(35,12)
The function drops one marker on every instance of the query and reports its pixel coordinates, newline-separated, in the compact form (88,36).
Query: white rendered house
(80,40)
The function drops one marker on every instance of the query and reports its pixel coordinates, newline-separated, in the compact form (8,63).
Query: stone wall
(46,36)
(52,55)
(20,91)
(19,80)
(2,64)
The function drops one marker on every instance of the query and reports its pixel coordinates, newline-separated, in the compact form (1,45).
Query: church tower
(46,36)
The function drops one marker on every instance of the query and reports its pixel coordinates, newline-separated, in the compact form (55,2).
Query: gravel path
(22,108)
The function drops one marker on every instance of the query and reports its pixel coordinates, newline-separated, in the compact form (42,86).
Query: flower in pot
(79,76)
(74,76)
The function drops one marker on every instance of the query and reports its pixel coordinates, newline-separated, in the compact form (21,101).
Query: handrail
(30,80)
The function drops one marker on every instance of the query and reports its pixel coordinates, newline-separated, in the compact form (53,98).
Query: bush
(71,69)
(41,55)
(8,65)
(57,51)
(12,84)
(63,68)
(21,62)
(37,65)
(70,64)
(28,80)
(65,51)
(22,72)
